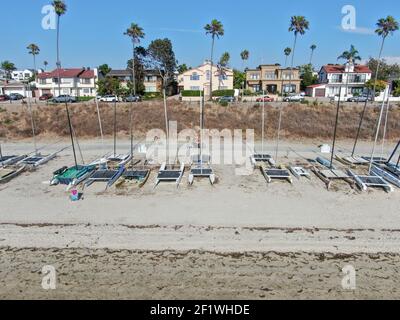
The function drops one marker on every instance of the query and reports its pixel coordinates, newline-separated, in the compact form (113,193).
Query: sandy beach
(241,238)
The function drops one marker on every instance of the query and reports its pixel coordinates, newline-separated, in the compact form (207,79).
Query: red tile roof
(67,73)
(338,68)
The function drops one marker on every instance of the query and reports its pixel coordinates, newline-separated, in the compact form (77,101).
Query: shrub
(83,99)
(151,95)
(221,93)
(191,93)
(224,103)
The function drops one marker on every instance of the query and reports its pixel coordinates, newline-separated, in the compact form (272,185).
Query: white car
(294,98)
(109,98)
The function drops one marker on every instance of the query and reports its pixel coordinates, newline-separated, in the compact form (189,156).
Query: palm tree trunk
(291,66)
(311,57)
(59,90)
(212,65)
(133,69)
(379,64)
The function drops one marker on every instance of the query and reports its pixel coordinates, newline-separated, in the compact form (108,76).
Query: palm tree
(34,50)
(45,63)
(351,57)
(135,33)
(385,28)
(60,9)
(287,53)
(215,29)
(298,25)
(245,54)
(313,47)
(8,67)
(222,64)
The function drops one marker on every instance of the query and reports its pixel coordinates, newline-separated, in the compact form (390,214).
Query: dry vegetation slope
(299,121)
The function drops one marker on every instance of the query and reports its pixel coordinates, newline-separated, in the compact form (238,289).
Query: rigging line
(394,152)
(32,121)
(387,90)
(360,124)
(77,144)
(100,123)
(385,126)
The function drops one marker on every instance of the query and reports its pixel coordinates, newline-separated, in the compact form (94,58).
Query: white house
(22,75)
(199,78)
(10,87)
(333,77)
(75,82)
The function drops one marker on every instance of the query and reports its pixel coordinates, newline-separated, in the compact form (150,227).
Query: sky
(92,30)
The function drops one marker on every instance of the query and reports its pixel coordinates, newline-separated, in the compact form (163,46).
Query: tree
(224,60)
(298,25)
(34,50)
(287,53)
(385,27)
(216,30)
(378,85)
(183,68)
(8,67)
(307,77)
(313,47)
(350,56)
(104,69)
(135,33)
(139,63)
(161,57)
(45,63)
(244,55)
(109,85)
(239,78)
(385,70)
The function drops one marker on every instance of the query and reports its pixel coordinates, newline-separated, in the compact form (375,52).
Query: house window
(194,77)
(86,81)
(55,80)
(254,76)
(336,78)
(66,80)
(270,75)
(42,81)
(286,76)
(208,75)
(151,89)
(195,88)
(223,77)
(289,88)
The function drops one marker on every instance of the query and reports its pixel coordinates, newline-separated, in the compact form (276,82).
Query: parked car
(294,98)
(45,97)
(64,98)
(4,97)
(109,98)
(265,99)
(133,98)
(228,99)
(16,96)
(362,98)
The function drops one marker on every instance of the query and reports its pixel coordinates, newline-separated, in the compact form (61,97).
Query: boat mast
(115,128)
(360,124)
(32,120)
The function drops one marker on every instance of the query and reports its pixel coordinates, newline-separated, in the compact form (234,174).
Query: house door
(272,88)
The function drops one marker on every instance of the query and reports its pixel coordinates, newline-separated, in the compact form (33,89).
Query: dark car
(362,98)
(4,97)
(228,99)
(45,97)
(16,96)
(133,98)
(64,98)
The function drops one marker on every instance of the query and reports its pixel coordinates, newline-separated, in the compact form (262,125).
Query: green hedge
(191,93)
(84,99)
(222,93)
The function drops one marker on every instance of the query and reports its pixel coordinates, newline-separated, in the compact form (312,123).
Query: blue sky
(92,30)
